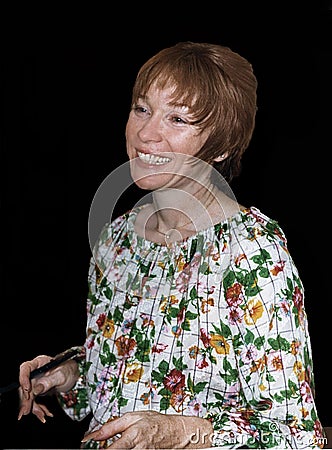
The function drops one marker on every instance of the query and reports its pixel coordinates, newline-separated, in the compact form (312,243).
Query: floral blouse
(213,326)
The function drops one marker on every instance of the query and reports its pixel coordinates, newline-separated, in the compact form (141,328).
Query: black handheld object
(71,353)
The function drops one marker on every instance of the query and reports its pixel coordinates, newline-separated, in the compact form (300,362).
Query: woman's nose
(151,130)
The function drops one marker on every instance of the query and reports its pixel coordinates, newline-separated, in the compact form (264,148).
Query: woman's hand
(59,379)
(151,429)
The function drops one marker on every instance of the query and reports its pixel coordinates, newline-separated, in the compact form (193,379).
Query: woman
(197,334)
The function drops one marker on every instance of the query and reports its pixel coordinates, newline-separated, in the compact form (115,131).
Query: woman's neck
(175,214)
(189,211)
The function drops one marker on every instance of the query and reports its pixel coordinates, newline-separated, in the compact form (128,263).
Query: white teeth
(153,159)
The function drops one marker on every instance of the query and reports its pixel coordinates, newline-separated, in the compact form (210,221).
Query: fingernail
(21,414)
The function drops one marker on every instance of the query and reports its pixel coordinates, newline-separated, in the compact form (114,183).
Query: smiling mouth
(153,159)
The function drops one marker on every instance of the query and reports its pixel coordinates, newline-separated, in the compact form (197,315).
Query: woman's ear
(220,157)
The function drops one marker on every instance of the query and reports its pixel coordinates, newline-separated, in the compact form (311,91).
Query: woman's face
(161,142)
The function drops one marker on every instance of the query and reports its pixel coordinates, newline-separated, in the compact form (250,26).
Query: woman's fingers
(25,370)
(40,411)
(31,406)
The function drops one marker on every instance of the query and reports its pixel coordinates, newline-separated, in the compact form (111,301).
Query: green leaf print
(157,376)
(199,387)
(93,299)
(259,342)
(179,364)
(249,337)
(143,351)
(193,249)
(126,242)
(108,293)
(193,293)
(224,329)
(264,272)
(293,387)
(279,343)
(164,403)
(229,280)
(190,315)
(262,258)
(118,316)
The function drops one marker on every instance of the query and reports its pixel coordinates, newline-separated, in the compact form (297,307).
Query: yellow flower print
(133,373)
(299,371)
(108,328)
(253,311)
(304,412)
(205,305)
(180,263)
(255,233)
(295,347)
(173,299)
(163,304)
(275,360)
(165,301)
(220,344)
(259,365)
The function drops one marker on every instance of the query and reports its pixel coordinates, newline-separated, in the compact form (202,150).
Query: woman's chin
(148,176)
(150,182)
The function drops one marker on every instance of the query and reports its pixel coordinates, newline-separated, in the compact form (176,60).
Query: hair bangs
(193,83)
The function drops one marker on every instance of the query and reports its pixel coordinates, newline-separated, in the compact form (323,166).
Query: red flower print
(306,392)
(201,362)
(205,337)
(235,315)
(174,381)
(70,399)
(101,320)
(159,347)
(234,295)
(298,298)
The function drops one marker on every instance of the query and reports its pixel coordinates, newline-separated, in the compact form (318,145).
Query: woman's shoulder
(122,219)
(253,224)
(117,226)
(255,215)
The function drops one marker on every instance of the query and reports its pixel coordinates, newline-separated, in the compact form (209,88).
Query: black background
(66,88)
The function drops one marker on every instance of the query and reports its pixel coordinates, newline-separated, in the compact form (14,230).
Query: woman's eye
(140,110)
(177,119)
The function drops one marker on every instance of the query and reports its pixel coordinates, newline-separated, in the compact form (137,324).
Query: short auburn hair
(220,89)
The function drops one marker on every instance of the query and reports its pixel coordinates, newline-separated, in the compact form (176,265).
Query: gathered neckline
(132,215)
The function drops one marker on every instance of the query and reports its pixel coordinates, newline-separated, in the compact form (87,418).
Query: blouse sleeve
(268,330)
(75,401)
